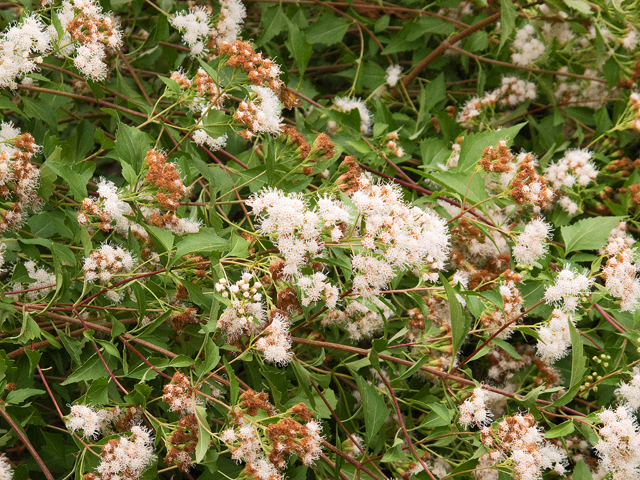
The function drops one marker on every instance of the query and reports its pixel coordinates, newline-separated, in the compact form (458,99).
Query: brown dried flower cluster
(166,178)
(497,160)
(183,443)
(530,187)
(178,394)
(19,180)
(259,69)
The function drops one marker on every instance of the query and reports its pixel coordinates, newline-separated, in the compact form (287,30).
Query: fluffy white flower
(630,391)
(574,167)
(532,243)
(345,104)
(527,46)
(474,411)
(620,273)
(6,471)
(569,287)
(555,338)
(393,75)
(194,25)
(127,456)
(619,445)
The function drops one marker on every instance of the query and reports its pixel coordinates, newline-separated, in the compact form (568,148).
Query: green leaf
(76,176)
(589,233)
(91,370)
(507,20)
(304,380)
(28,331)
(181,361)
(440,416)
(374,406)
(204,435)
(131,146)
(581,471)
(161,236)
(474,144)
(561,430)
(299,47)
(328,30)
(205,241)
(273,22)
(578,366)
(460,323)
(579,5)
(211,355)
(233,381)
(20,395)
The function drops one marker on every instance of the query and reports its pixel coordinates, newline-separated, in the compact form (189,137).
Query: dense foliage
(319,239)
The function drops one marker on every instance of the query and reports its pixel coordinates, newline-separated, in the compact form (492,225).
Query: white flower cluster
(358,319)
(246,315)
(532,243)
(555,338)
(127,458)
(515,91)
(574,167)
(526,447)
(195,25)
(6,471)
(527,46)
(393,75)
(262,114)
(570,286)
(250,449)
(630,391)
(512,91)
(92,422)
(568,205)
(620,230)
(630,42)
(3,248)
(620,274)
(588,92)
(93,33)
(619,445)
(473,410)
(344,104)
(406,236)
(276,345)
(558,30)
(41,277)
(372,275)
(200,137)
(103,264)
(295,226)
(230,21)
(316,287)
(334,214)
(635,103)
(21,49)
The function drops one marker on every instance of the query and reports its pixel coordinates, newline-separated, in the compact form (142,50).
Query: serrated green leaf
(589,233)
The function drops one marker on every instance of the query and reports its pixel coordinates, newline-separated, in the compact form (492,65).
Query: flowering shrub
(355,240)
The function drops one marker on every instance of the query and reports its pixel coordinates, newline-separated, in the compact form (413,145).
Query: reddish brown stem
(404,429)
